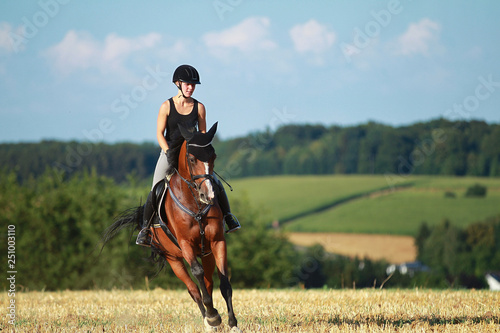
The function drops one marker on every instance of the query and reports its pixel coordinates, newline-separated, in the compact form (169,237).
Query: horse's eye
(191,159)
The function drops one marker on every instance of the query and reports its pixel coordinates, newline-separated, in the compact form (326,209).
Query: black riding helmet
(186,73)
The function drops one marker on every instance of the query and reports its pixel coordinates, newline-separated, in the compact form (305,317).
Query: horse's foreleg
(220,253)
(208,263)
(212,316)
(181,272)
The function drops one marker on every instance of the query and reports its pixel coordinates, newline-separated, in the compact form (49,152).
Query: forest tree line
(438,147)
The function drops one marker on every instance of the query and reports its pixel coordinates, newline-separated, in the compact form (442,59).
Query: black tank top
(173,134)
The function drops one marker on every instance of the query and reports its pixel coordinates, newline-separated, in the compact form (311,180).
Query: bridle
(193,184)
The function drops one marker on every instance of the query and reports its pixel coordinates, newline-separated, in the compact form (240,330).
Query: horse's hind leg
(181,272)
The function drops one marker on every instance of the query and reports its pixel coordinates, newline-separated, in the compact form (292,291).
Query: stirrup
(232,223)
(144,237)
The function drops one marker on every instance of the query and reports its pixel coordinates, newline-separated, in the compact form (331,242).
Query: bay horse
(191,226)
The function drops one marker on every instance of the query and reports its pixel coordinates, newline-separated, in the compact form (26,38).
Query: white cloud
(312,37)
(11,40)
(79,50)
(116,46)
(176,51)
(420,38)
(249,36)
(75,51)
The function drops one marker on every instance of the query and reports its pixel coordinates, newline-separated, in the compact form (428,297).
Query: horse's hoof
(235,329)
(214,321)
(208,327)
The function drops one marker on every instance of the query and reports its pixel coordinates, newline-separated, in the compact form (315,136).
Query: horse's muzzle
(205,199)
(206,192)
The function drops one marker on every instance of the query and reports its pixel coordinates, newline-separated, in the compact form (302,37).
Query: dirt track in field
(394,249)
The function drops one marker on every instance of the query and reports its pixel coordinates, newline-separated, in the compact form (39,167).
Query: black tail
(130,219)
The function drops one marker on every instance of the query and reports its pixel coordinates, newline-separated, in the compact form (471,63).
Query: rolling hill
(366,204)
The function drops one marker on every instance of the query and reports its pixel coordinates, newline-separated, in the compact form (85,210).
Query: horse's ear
(185,132)
(212,130)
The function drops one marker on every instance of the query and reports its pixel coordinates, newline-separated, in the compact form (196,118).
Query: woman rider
(182,108)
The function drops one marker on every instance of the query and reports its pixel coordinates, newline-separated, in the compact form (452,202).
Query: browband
(200,146)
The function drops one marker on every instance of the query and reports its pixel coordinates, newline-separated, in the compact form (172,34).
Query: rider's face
(188,88)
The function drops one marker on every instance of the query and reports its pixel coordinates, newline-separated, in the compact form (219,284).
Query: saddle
(158,201)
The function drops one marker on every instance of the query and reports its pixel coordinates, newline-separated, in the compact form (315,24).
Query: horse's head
(200,157)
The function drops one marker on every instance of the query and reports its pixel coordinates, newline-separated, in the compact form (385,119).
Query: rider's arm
(202,118)
(161,125)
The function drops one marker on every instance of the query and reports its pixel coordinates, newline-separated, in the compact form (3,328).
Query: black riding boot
(144,236)
(232,223)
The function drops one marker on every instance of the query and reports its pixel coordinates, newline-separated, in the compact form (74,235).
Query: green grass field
(282,197)
(373,207)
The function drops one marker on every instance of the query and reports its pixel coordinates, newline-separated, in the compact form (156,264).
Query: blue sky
(99,70)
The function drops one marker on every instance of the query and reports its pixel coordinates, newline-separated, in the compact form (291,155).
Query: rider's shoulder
(165,107)
(200,105)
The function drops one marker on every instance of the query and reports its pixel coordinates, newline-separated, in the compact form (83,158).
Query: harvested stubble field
(368,310)
(392,248)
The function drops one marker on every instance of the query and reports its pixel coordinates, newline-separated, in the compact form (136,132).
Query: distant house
(409,268)
(493,280)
